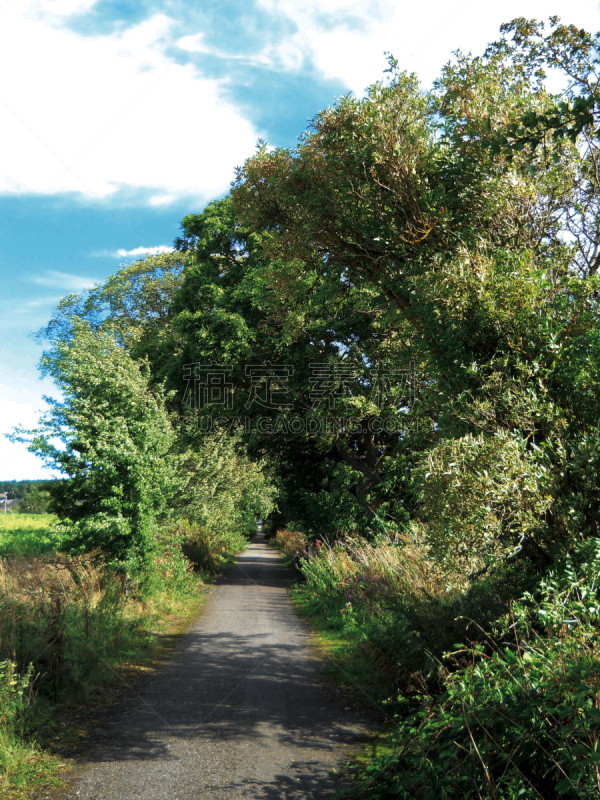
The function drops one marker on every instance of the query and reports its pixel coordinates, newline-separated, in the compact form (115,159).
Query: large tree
(401,195)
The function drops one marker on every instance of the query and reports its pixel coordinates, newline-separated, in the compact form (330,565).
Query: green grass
(28,534)
(101,642)
(350,660)
(103,651)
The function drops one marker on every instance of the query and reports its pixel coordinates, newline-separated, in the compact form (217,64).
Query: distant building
(6,504)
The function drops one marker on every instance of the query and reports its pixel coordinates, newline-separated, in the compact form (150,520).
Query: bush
(290,543)
(14,695)
(209,550)
(518,714)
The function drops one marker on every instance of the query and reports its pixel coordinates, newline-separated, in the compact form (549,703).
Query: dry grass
(28,577)
(290,543)
(389,601)
(74,621)
(400,563)
(46,604)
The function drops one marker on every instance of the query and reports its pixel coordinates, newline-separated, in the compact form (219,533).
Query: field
(25,534)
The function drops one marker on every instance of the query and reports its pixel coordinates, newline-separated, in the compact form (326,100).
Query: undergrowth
(491,690)
(71,628)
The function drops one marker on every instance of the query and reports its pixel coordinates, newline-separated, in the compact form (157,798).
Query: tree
(134,311)
(35,501)
(402,196)
(111,437)
(133,306)
(239,307)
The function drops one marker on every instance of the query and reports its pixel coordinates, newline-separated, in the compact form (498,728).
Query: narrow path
(239,711)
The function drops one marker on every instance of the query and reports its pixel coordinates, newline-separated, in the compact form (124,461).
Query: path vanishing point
(239,711)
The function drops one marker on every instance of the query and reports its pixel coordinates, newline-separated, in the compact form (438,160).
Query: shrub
(208,550)
(518,715)
(13,694)
(290,543)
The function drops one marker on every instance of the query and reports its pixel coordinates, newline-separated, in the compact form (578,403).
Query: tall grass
(386,597)
(495,689)
(210,549)
(68,626)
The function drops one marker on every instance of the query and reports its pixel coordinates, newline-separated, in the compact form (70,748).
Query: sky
(117,118)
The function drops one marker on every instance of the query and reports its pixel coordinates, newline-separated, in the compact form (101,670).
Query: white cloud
(123,115)
(41,302)
(347,41)
(20,404)
(142,251)
(114,108)
(64,280)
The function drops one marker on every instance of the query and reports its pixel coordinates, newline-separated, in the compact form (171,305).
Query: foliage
(517,717)
(115,437)
(221,490)
(569,49)
(209,549)
(434,256)
(37,501)
(132,306)
(72,628)
(233,309)
(483,497)
(483,269)
(291,544)
(504,710)
(20,490)
(13,693)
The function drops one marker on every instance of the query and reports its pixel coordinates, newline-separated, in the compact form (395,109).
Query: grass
(87,642)
(349,660)
(491,691)
(53,732)
(28,534)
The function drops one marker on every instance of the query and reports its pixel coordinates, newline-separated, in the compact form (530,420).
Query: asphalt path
(240,710)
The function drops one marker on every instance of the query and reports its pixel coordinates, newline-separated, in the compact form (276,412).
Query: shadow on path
(239,710)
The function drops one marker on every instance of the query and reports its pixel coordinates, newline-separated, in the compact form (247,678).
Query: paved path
(239,711)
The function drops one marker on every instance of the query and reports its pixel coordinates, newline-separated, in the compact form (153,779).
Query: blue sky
(118,118)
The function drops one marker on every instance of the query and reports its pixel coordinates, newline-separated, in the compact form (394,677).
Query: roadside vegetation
(385,342)
(21,534)
(483,693)
(74,632)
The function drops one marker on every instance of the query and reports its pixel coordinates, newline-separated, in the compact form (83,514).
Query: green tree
(400,195)
(239,306)
(135,309)
(111,437)
(35,501)
(133,306)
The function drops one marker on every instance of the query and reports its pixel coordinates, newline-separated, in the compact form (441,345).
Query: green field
(28,533)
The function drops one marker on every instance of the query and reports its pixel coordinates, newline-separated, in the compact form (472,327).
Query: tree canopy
(399,314)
